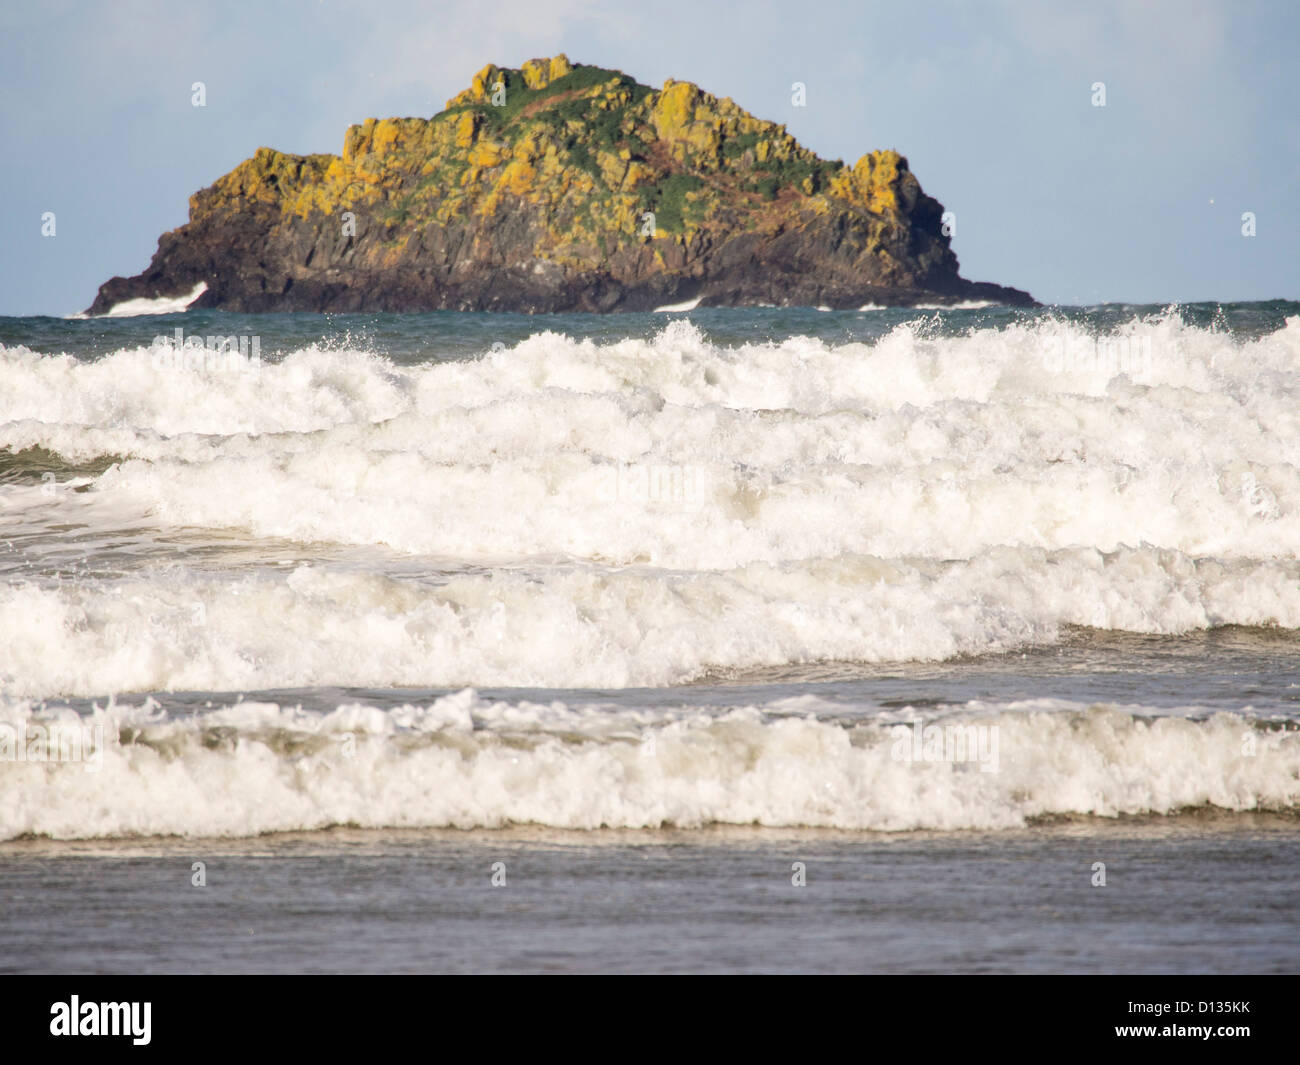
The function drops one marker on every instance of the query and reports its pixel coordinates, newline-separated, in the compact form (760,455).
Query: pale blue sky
(1139,201)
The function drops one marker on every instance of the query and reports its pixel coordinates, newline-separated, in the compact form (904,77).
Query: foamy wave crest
(680,454)
(584,626)
(653,508)
(467,762)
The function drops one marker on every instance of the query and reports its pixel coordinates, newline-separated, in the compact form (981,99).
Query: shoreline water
(1194,894)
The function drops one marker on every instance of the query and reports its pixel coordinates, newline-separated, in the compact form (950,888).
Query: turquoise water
(413,338)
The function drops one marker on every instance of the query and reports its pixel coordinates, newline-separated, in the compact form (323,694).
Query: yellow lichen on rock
(486,154)
(689,122)
(384,135)
(518,177)
(480,88)
(674,109)
(466,127)
(356,142)
(539,73)
(873,182)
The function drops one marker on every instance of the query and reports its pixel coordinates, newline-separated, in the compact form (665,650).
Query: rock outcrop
(560,187)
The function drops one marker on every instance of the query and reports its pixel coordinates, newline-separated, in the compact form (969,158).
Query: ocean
(768,639)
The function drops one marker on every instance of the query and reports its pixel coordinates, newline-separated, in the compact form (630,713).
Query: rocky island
(560,187)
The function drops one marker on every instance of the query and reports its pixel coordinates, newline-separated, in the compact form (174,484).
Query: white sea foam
(161,305)
(468,762)
(590,626)
(657,508)
(963,305)
(687,305)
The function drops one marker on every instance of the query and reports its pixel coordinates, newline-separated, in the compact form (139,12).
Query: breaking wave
(640,512)
(468,762)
